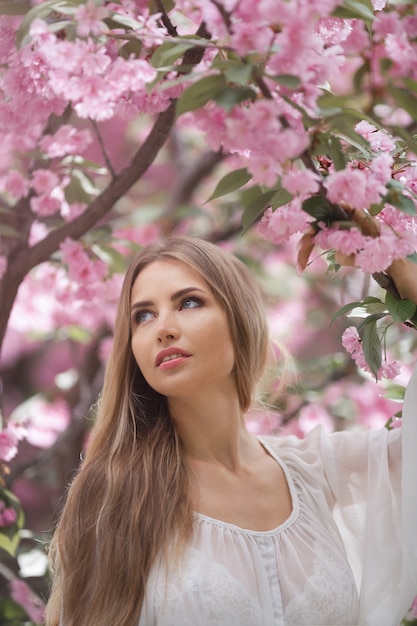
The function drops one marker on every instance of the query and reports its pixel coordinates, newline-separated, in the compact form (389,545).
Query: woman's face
(180,335)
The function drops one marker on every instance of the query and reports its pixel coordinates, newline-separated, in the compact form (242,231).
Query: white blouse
(347,555)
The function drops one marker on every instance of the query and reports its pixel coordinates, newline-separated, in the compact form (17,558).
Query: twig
(103,149)
(165,19)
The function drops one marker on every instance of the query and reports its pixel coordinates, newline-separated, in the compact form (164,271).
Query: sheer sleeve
(371,479)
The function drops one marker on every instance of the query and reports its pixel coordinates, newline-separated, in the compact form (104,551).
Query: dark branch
(103,149)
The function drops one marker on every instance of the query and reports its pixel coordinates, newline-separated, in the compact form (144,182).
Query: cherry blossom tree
(284,130)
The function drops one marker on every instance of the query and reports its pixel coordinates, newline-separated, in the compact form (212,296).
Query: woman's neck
(212,432)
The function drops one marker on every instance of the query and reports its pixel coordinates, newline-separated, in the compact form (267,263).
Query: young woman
(180,517)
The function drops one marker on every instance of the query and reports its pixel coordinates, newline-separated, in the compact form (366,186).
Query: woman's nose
(167,329)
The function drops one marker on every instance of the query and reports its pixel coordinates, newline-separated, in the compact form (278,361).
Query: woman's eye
(191,303)
(142,316)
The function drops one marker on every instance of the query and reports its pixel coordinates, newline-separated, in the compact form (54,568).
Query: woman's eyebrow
(175,296)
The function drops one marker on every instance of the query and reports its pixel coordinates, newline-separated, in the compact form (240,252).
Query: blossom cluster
(351,341)
(359,186)
(8,515)
(23,595)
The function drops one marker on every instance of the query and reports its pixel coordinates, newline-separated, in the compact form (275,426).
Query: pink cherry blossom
(347,185)
(3,266)
(67,140)
(8,515)
(264,170)
(378,139)
(44,181)
(379,252)
(45,205)
(351,340)
(344,241)
(386,23)
(90,19)
(279,225)
(8,445)
(413,609)
(379,4)
(312,415)
(353,345)
(24,596)
(301,182)
(15,184)
(399,49)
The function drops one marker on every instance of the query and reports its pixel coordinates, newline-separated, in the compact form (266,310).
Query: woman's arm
(404,274)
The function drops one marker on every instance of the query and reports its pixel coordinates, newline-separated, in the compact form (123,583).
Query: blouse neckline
(277,529)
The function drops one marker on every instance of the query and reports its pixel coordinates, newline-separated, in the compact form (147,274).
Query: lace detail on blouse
(212,595)
(328,596)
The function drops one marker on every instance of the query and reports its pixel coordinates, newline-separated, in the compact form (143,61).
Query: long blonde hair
(130,501)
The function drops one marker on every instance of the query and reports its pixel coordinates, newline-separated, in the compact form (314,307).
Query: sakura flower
(378,139)
(400,50)
(90,19)
(353,345)
(301,182)
(44,206)
(347,185)
(44,181)
(67,140)
(379,4)
(8,515)
(379,252)
(279,225)
(3,266)
(15,184)
(390,370)
(351,340)
(8,445)
(360,187)
(345,241)
(24,596)
(264,169)
(413,610)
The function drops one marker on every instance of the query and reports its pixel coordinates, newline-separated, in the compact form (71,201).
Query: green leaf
(344,310)
(168,5)
(232,181)
(368,305)
(371,345)
(167,53)
(400,310)
(405,100)
(412,257)
(199,93)
(286,80)
(114,259)
(238,72)
(78,334)
(80,188)
(394,392)
(318,207)
(230,96)
(359,77)
(39,11)
(336,153)
(256,208)
(401,202)
(8,231)
(410,83)
(280,197)
(132,47)
(361,9)
(10,536)
(14,8)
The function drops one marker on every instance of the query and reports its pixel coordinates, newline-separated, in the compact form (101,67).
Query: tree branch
(103,149)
